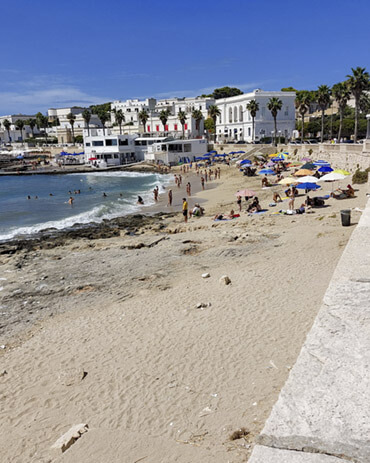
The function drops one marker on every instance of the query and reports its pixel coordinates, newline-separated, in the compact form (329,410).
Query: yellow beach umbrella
(341,171)
(288,181)
(273,155)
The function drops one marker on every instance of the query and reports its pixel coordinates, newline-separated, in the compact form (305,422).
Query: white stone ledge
(324,406)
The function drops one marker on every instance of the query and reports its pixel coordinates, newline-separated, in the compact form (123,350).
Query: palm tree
(323,99)
(103,115)
(42,121)
(72,118)
(213,112)
(86,115)
(253,107)
(274,105)
(181,115)
(19,124)
(341,95)
(197,115)
(302,103)
(143,117)
(119,118)
(7,125)
(163,116)
(32,124)
(358,82)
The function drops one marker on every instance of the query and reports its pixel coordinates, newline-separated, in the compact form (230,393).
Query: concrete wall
(323,412)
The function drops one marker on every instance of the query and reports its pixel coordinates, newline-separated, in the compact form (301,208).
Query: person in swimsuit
(185,209)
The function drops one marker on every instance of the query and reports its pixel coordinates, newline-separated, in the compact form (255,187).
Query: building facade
(14,134)
(235,121)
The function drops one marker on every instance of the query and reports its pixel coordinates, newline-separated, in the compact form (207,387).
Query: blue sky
(81,52)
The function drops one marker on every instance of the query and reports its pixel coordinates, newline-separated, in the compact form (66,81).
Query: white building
(235,121)
(104,148)
(174,151)
(14,134)
(174,127)
(131,108)
(64,129)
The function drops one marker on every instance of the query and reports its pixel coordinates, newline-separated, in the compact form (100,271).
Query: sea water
(49,208)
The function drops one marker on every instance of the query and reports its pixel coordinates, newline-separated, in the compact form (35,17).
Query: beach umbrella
(248,193)
(288,181)
(273,155)
(213,151)
(266,172)
(240,152)
(19,157)
(281,156)
(303,172)
(325,169)
(308,186)
(270,164)
(307,159)
(341,171)
(245,161)
(294,164)
(93,159)
(307,179)
(320,163)
(309,166)
(332,177)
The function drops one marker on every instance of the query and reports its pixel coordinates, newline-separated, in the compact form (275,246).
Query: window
(148,128)
(186,126)
(111,142)
(98,143)
(263,111)
(164,148)
(240,113)
(166,127)
(286,113)
(175,126)
(249,131)
(123,142)
(219,119)
(157,128)
(187,148)
(88,143)
(235,114)
(230,115)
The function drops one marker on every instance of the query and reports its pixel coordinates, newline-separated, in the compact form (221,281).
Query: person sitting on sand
(265,181)
(276,198)
(254,206)
(350,192)
(197,211)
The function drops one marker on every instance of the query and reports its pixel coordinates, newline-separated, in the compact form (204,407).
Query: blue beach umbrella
(308,186)
(266,171)
(325,169)
(213,151)
(19,157)
(245,161)
(321,163)
(240,152)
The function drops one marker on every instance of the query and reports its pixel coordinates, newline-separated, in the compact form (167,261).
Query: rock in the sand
(70,437)
(225,280)
(205,275)
(72,376)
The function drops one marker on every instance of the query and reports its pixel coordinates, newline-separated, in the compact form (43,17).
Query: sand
(108,333)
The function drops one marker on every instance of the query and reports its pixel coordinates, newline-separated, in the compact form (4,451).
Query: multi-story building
(235,121)
(131,109)
(104,148)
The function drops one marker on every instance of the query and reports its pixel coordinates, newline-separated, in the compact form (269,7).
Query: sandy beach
(107,331)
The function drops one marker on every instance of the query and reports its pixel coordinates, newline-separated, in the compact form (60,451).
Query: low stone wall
(343,156)
(323,412)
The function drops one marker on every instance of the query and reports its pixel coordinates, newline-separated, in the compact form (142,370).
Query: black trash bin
(345,215)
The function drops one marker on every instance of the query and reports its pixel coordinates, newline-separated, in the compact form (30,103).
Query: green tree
(32,123)
(197,116)
(42,122)
(99,107)
(209,125)
(19,124)
(364,105)
(226,92)
(163,116)
(323,99)
(143,118)
(302,103)
(253,107)
(72,118)
(181,115)
(119,118)
(86,115)
(289,89)
(7,125)
(213,112)
(341,95)
(103,115)
(358,82)
(274,105)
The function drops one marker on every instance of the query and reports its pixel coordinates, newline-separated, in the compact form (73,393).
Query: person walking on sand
(291,201)
(202,182)
(185,209)
(176,180)
(180,180)
(169,198)
(188,189)
(206,176)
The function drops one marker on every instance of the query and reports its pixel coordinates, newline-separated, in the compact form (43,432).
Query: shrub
(360,176)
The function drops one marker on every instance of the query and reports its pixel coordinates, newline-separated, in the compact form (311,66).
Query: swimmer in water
(28,197)
(70,201)
(104,195)
(140,200)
